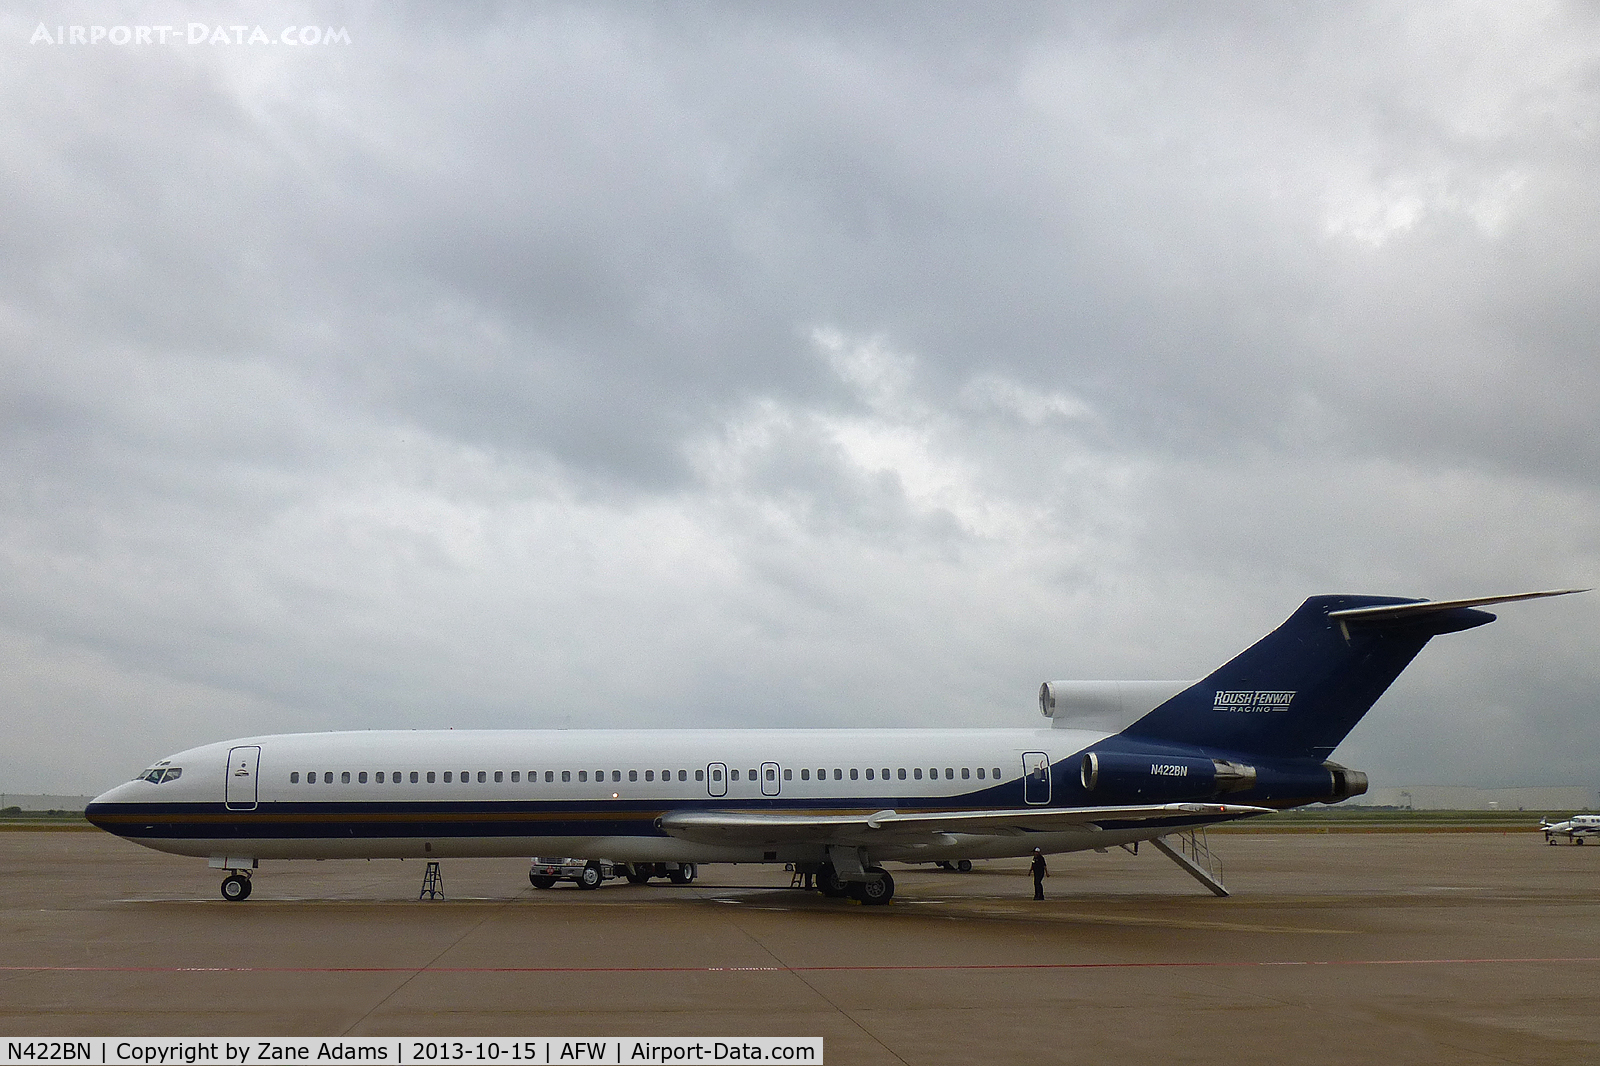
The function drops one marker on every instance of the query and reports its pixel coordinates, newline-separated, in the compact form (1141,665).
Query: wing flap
(750,828)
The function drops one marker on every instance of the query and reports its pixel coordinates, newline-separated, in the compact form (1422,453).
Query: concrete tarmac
(1392,948)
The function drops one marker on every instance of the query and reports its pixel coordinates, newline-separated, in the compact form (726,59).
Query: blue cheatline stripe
(450,820)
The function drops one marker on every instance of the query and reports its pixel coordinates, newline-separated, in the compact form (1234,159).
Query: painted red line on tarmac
(793,969)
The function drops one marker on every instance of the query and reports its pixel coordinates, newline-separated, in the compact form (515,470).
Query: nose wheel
(235,888)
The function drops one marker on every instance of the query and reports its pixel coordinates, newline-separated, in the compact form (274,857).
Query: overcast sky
(810,364)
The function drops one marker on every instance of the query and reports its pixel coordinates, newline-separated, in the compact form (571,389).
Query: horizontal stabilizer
(1399,612)
(749,828)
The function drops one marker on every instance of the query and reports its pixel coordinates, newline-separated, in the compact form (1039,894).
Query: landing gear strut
(236,887)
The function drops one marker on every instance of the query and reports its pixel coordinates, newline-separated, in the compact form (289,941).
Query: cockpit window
(159,774)
(172,774)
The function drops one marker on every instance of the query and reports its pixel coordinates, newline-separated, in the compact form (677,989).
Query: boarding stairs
(1196,859)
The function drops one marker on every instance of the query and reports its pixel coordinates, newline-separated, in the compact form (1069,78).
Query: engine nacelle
(1120,777)
(1346,782)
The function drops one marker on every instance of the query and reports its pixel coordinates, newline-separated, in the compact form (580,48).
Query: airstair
(1196,859)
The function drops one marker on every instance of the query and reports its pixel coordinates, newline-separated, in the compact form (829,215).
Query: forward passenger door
(240,789)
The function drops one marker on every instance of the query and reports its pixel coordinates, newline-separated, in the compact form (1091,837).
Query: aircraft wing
(751,828)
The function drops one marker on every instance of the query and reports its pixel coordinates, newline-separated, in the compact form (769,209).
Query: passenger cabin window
(327,777)
(869,773)
(916,772)
(901,773)
(294,778)
(361,778)
(699,775)
(447,777)
(855,775)
(733,775)
(996,772)
(966,773)
(378,777)
(500,776)
(805,775)
(788,775)
(980,773)
(413,777)
(430,777)
(483,777)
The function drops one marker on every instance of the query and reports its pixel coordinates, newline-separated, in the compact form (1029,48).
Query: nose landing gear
(236,887)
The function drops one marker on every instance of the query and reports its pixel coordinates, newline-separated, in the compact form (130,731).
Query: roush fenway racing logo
(1253,701)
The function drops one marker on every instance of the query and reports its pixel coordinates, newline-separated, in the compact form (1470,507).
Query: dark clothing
(1040,872)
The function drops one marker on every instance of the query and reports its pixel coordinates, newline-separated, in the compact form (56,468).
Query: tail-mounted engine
(1123,777)
(1162,778)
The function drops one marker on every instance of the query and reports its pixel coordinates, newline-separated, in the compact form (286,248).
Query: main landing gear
(236,887)
(875,889)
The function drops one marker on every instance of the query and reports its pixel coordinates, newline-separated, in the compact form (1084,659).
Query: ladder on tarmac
(432,882)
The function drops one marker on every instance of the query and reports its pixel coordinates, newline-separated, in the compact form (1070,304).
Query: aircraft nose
(103,804)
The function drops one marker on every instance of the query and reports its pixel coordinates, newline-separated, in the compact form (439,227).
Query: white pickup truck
(585,873)
(591,873)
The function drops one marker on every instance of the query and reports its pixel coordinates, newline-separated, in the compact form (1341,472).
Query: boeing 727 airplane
(1118,763)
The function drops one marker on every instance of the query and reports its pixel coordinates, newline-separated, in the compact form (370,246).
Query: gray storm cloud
(593,364)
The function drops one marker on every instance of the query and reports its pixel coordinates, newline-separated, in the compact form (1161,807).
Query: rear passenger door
(1035,777)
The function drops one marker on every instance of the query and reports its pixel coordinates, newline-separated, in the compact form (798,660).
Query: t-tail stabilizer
(1265,723)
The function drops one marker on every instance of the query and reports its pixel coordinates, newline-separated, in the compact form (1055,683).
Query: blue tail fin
(1300,690)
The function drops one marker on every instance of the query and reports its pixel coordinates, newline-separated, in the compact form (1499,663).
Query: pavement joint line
(798,973)
(417,971)
(426,968)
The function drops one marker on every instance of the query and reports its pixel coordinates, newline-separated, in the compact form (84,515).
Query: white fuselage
(595,793)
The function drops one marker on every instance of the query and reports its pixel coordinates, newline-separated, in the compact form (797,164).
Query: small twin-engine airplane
(1119,763)
(1575,828)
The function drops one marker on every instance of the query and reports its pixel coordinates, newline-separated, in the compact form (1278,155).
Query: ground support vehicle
(585,873)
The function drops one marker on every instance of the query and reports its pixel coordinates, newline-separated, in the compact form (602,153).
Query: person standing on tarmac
(1040,872)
